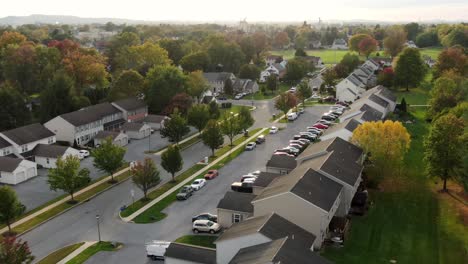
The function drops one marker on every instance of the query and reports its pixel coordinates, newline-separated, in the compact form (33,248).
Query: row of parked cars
(188,190)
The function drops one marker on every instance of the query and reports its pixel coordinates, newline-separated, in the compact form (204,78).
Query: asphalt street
(79,224)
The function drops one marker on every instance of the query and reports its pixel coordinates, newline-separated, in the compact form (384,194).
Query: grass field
(198,240)
(89,252)
(60,254)
(283,87)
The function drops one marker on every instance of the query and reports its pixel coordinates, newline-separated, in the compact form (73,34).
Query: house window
(47,160)
(50,140)
(236,218)
(24,148)
(6,152)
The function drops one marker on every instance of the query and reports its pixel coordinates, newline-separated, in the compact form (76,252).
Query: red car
(211,174)
(320,125)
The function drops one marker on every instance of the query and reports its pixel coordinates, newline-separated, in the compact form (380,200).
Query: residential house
(118,138)
(281,164)
(285,251)
(6,148)
(304,197)
(178,253)
(272,59)
(316,61)
(342,130)
(234,207)
(15,170)
(410,44)
(277,69)
(82,126)
(136,130)
(47,155)
(378,98)
(339,44)
(362,113)
(263,180)
(315,44)
(156,122)
(217,80)
(258,230)
(245,86)
(353,86)
(429,61)
(24,139)
(133,109)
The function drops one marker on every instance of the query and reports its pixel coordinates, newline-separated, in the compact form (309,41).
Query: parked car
(255,173)
(205,226)
(316,129)
(273,130)
(205,216)
(336,112)
(84,153)
(260,139)
(250,146)
(296,145)
(342,103)
(290,151)
(325,122)
(245,187)
(315,132)
(292,90)
(304,140)
(329,99)
(156,249)
(303,144)
(245,177)
(283,154)
(328,117)
(315,96)
(301,111)
(313,136)
(320,126)
(211,174)
(185,193)
(294,151)
(329,113)
(222,98)
(292,116)
(238,96)
(198,184)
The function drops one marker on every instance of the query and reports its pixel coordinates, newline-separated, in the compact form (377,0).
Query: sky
(252,10)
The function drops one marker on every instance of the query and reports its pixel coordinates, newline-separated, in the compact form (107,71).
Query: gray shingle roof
(28,134)
(131,104)
(217,76)
(49,151)
(272,226)
(352,125)
(351,91)
(133,126)
(90,114)
(376,99)
(8,164)
(191,253)
(281,161)
(106,133)
(154,118)
(342,167)
(336,144)
(237,201)
(370,113)
(4,143)
(385,92)
(265,178)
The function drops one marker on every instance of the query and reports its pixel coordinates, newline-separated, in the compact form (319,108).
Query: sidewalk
(184,182)
(75,253)
(49,207)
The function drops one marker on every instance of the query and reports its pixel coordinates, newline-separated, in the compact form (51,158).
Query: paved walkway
(75,253)
(49,207)
(184,182)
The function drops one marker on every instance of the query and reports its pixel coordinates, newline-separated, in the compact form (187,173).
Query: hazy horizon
(254,11)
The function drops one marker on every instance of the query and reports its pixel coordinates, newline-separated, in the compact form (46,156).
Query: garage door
(31,172)
(20,176)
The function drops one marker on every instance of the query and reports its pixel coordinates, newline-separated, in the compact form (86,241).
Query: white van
(156,249)
(292,116)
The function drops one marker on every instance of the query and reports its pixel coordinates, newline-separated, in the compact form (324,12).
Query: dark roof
(217,76)
(352,125)
(272,226)
(336,144)
(376,99)
(237,201)
(90,114)
(265,178)
(133,126)
(131,104)
(106,134)
(282,161)
(154,118)
(9,164)
(280,251)
(4,143)
(343,167)
(385,92)
(370,113)
(28,134)
(191,253)
(49,151)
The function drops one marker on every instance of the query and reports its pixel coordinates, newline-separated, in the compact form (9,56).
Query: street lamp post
(98,228)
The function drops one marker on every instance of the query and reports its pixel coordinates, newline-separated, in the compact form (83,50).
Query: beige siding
(63,130)
(225,217)
(227,249)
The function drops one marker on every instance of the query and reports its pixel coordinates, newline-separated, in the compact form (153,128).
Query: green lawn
(198,240)
(234,109)
(433,52)
(60,254)
(283,87)
(89,252)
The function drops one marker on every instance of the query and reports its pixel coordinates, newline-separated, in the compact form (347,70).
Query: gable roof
(191,253)
(237,201)
(8,164)
(265,178)
(106,133)
(342,167)
(217,76)
(49,151)
(281,161)
(376,99)
(272,226)
(339,41)
(27,134)
(336,144)
(370,113)
(352,124)
(284,251)
(90,114)
(4,143)
(132,126)
(385,92)
(154,118)
(130,103)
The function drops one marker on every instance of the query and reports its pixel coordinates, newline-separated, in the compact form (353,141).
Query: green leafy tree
(196,84)
(350,61)
(300,53)
(108,157)
(444,148)
(197,61)
(353,42)
(213,109)
(171,160)
(228,87)
(143,57)
(410,68)
(427,39)
(10,206)
(198,116)
(403,105)
(68,176)
(412,30)
(245,118)
(272,83)
(444,95)
(457,36)
(221,52)
(13,111)
(212,136)
(304,91)
(230,126)
(13,251)
(249,71)
(161,84)
(329,78)
(454,59)
(174,49)
(176,127)
(57,96)
(181,101)
(129,83)
(145,176)
(395,40)
(296,69)
(284,102)
(247,46)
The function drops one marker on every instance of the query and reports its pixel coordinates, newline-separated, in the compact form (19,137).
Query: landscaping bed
(89,252)
(60,254)
(198,240)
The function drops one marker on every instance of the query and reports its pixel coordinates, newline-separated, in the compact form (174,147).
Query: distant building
(339,44)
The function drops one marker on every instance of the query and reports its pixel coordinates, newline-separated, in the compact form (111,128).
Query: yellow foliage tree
(386,143)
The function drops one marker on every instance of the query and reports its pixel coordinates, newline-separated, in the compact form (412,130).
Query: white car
(198,184)
(205,226)
(156,249)
(250,146)
(315,96)
(292,116)
(255,173)
(238,96)
(84,153)
(274,130)
(292,90)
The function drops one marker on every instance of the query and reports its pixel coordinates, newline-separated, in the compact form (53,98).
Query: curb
(76,252)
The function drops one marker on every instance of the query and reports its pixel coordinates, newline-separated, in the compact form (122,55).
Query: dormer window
(24,148)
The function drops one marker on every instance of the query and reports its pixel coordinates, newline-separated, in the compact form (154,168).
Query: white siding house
(136,130)
(24,139)
(47,155)
(14,170)
(118,138)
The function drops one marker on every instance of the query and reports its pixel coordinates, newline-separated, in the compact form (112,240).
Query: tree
(353,42)
(57,97)
(161,84)
(247,46)
(272,83)
(68,176)
(108,157)
(228,87)
(129,83)
(10,206)
(197,61)
(11,38)
(410,68)
(249,71)
(174,49)
(171,160)
(329,78)
(285,101)
(230,126)
(223,53)
(300,52)
(281,39)
(260,40)
(13,111)
(444,148)
(213,109)
(304,91)
(385,142)
(245,118)
(143,57)
(175,128)
(445,94)
(145,175)
(198,116)
(181,101)
(196,84)
(386,77)
(403,105)
(296,69)
(350,61)
(395,40)
(367,46)
(452,59)
(427,39)
(212,136)
(457,36)
(13,251)
(412,30)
